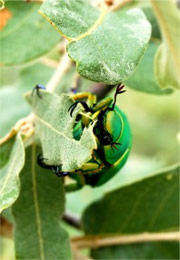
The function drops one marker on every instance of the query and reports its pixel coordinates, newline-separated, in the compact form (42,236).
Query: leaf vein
(36,205)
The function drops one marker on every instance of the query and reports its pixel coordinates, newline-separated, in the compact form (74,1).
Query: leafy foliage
(149,205)
(124,34)
(26,35)
(9,180)
(143,79)
(37,213)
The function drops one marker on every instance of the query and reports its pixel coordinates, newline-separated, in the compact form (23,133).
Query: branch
(119,4)
(61,69)
(101,241)
(49,62)
(77,255)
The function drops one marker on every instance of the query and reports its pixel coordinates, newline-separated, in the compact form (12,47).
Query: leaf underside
(54,127)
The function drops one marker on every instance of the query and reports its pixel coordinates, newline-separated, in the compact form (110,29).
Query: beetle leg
(119,90)
(74,105)
(62,174)
(74,90)
(58,172)
(40,161)
(37,88)
(55,168)
(103,104)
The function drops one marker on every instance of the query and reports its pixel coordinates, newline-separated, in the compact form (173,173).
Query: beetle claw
(37,88)
(58,172)
(71,108)
(55,168)
(119,90)
(40,161)
(74,105)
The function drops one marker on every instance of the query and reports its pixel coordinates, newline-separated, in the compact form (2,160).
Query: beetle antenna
(119,90)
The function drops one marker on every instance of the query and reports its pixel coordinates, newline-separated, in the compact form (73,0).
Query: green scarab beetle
(113,135)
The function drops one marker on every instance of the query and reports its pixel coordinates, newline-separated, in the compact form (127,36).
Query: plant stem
(61,69)
(78,255)
(119,4)
(101,241)
(49,62)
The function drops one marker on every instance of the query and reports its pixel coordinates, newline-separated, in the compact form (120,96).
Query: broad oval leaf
(37,213)
(54,127)
(9,180)
(106,48)
(149,205)
(25,35)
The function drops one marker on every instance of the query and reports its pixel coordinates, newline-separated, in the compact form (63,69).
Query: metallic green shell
(113,159)
(120,130)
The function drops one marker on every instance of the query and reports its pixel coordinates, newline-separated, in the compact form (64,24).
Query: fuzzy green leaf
(54,127)
(25,35)
(37,213)
(5,150)
(106,47)
(150,205)
(167,62)
(9,180)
